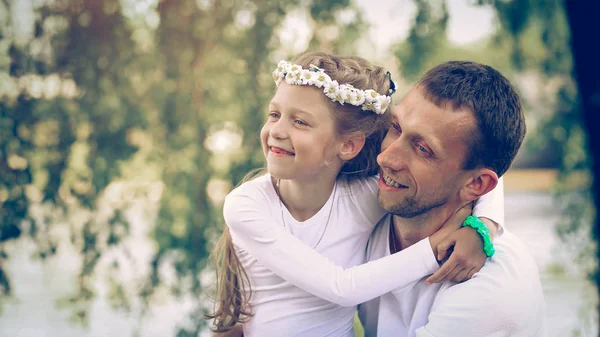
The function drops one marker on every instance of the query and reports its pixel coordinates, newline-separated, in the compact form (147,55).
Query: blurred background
(124,123)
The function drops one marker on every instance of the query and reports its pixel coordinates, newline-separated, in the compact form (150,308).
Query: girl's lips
(279,151)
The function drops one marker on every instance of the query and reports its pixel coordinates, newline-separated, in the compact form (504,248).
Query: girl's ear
(481,183)
(352,145)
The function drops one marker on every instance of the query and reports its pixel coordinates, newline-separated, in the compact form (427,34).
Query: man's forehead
(410,102)
(415,103)
(441,126)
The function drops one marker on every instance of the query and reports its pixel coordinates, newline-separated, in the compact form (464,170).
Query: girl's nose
(278,130)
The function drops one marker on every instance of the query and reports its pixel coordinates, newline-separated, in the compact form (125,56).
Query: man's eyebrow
(433,142)
(416,135)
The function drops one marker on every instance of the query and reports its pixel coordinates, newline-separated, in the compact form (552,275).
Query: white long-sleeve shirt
(503,299)
(301,291)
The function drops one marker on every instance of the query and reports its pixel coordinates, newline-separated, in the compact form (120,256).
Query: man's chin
(388,204)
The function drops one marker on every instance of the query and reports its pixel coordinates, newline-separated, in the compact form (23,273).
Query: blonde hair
(232,281)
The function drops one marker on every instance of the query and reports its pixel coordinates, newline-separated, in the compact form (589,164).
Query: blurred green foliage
(105,103)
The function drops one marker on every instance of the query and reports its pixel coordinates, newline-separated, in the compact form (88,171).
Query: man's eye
(273,114)
(422,148)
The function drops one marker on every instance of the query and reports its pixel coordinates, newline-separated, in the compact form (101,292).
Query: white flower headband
(369,100)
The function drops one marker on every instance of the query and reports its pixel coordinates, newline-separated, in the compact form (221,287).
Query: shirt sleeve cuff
(428,258)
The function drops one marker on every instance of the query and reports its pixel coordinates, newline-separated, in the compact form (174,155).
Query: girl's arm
(466,243)
(255,231)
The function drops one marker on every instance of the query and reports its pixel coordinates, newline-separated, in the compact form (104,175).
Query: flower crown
(369,100)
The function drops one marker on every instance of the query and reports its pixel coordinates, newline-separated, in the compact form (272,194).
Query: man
(455,132)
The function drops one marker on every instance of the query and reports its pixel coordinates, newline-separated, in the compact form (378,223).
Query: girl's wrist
(491,225)
(475,223)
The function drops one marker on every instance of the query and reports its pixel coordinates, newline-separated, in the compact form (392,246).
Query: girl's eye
(273,114)
(300,122)
(396,127)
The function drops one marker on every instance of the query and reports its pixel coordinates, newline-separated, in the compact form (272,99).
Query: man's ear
(352,145)
(483,181)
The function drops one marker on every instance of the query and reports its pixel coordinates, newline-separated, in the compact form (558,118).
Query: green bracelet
(481,228)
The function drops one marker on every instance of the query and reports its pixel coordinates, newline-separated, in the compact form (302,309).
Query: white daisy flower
(277,77)
(290,78)
(377,107)
(349,95)
(293,77)
(320,79)
(360,97)
(371,94)
(384,102)
(307,77)
(368,107)
(331,89)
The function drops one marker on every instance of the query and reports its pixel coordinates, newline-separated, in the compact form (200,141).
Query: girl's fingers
(461,276)
(454,273)
(440,275)
(444,247)
(471,273)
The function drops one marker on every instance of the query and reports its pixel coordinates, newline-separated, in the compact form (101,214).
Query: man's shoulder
(506,291)
(511,271)
(512,262)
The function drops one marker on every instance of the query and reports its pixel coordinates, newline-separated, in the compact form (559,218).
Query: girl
(296,236)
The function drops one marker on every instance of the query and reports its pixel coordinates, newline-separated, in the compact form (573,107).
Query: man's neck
(408,231)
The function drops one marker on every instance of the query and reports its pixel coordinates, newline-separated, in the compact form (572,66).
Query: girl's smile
(279,152)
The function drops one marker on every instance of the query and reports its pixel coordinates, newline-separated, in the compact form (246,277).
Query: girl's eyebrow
(293,109)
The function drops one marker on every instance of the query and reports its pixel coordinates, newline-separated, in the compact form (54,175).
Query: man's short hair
(495,103)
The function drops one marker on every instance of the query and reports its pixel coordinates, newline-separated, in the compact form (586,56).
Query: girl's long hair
(233,285)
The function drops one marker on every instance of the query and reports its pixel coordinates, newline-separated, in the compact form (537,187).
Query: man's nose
(394,156)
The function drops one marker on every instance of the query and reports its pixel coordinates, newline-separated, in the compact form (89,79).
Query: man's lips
(279,151)
(388,183)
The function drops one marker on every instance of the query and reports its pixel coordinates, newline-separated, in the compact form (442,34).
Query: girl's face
(299,139)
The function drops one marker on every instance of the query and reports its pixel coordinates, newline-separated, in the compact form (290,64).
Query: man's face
(422,156)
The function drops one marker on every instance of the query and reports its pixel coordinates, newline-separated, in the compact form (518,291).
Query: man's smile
(389,182)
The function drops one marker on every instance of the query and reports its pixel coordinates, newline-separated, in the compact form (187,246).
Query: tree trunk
(582,16)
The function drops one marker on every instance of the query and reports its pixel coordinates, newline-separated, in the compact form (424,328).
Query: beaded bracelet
(481,228)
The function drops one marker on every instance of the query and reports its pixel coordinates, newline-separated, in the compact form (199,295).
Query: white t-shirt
(301,291)
(503,299)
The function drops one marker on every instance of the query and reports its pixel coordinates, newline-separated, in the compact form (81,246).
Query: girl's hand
(466,254)
(451,225)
